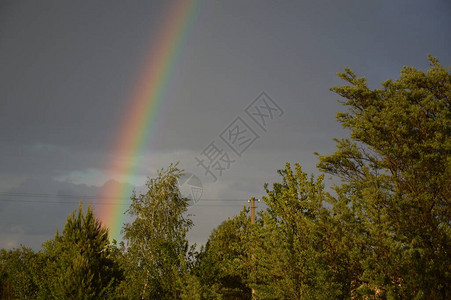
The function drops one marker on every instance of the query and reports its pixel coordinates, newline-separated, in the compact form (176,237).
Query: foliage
(155,251)
(19,271)
(382,232)
(78,261)
(396,171)
(223,263)
(298,247)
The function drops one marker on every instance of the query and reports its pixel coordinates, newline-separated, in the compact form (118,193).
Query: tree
(78,261)
(155,248)
(386,230)
(19,273)
(223,264)
(298,243)
(396,174)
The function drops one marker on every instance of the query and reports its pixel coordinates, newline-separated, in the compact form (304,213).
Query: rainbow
(146,99)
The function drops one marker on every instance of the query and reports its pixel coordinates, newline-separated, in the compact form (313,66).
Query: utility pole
(253,207)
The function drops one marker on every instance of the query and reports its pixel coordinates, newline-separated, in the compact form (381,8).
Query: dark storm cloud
(68,70)
(39,206)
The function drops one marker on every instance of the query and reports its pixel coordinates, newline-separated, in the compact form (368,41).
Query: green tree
(298,242)
(223,264)
(396,174)
(78,261)
(155,248)
(19,273)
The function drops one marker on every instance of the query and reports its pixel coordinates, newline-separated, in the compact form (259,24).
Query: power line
(19,201)
(54,202)
(41,195)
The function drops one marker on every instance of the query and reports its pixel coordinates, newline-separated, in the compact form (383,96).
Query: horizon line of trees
(382,232)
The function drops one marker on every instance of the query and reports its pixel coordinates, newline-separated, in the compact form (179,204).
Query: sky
(68,70)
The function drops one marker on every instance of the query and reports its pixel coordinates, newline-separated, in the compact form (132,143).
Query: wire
(18,201)
(84,197)
(53,202)
(39,195)
(119,204)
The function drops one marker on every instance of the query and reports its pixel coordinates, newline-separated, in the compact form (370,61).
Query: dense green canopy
(382,231)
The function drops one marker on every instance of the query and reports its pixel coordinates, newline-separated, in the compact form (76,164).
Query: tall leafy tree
(156,248)
(297,242)
(396,172)
(223,265)
(19,273)
(78,261)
